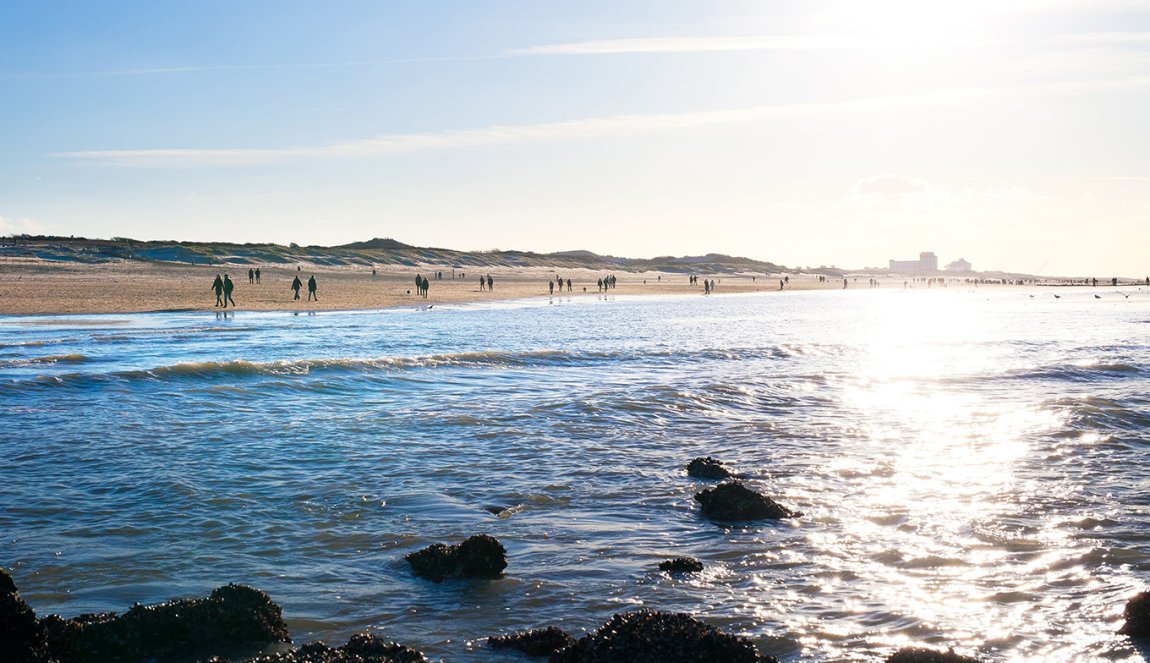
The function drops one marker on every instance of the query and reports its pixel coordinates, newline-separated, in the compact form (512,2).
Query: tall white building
(927,263)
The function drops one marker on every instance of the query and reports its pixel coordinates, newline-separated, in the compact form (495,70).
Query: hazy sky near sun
(1012,133)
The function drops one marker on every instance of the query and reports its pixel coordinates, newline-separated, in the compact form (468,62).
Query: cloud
(618,125)
(699,45)
(191,69)
(821,43)
(21,226)
(596,127)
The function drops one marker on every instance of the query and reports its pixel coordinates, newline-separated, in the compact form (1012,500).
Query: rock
(1137,614)
(654,637)
(479,556)
(919,655)
(681,565)
(230,618)
(540,642)
(434,562)
(362,648)
(22,636)
(707,468)
(734,501)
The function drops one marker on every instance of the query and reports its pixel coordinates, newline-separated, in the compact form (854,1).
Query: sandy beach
(37,287)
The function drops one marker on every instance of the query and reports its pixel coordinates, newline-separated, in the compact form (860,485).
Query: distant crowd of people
(223,286)
(557,284)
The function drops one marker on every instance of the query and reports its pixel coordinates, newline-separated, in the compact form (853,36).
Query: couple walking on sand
(223,288)
(296,284)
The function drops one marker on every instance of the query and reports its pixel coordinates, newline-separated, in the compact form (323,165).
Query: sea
(970,464)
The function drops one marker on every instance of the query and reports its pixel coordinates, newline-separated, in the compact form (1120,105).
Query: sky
(1012,133)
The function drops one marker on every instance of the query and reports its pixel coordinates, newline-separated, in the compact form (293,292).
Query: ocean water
(972,466)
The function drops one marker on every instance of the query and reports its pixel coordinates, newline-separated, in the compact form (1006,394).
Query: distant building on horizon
(959,265)
(927,262)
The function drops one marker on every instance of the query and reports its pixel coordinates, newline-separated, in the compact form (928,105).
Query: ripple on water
(968,479)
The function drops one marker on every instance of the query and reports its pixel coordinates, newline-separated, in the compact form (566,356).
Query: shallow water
(970,465)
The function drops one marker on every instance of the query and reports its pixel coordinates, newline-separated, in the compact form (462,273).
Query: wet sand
(32,287)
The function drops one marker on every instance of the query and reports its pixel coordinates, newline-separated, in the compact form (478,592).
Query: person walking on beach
(551,287)
(251,276)
(296,284)
(490,283)
(257,275)
(228,287)
(569,284)
(425,287)
(218,286)
(311,289)
(482,284)
(419,284)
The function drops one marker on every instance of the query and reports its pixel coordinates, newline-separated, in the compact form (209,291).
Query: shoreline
(48,288)
(31,288)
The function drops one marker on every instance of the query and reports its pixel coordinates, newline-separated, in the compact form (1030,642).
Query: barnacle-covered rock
(1137,614)
(707,468)
(22,636)
(681,565)
(539,642)
(656,637)
(921,655)
(231,617)
(734,501)
(479,556)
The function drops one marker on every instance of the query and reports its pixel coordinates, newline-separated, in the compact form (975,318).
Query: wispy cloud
(597,127)
(652,45)
(820,42)
(191,69)
(696,45)
(618,125)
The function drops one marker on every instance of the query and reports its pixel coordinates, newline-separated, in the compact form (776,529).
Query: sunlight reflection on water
(969,467)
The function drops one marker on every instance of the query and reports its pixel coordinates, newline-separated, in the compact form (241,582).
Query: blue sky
(1012,133)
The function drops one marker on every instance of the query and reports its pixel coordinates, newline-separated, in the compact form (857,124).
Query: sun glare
(908,23)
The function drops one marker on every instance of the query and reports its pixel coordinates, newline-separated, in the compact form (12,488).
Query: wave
(208,370)
(33,344)
(1078,372)
(50,359)
(116,337)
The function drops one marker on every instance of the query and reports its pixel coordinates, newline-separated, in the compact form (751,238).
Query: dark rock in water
(919,655)
(434,562)
(362,648)
(540,642)
(22,636)
(655,637)
(707,468)
(681,565)
(231,617)
(734,501)
(1137,614)
(479,556)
